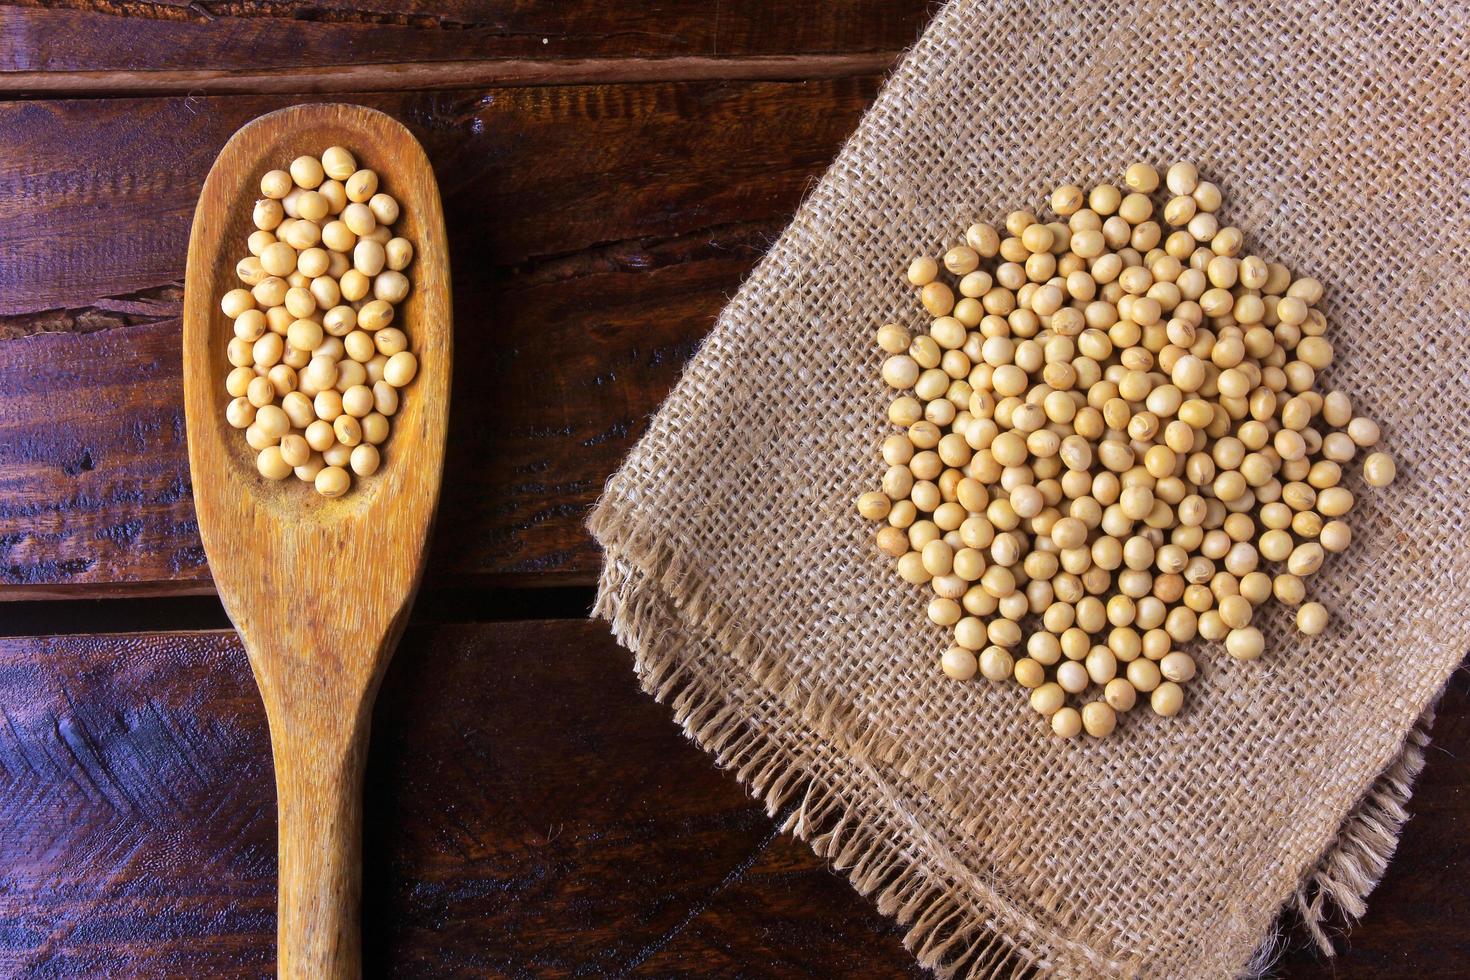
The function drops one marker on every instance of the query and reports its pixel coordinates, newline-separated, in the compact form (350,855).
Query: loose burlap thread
(755,604)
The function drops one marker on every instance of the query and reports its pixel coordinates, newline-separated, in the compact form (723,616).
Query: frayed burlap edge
(949,930)
(653,603)
(701,606)
(1354,863)
(649,599)
(1337,886)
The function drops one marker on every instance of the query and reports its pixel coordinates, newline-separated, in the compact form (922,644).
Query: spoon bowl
(319,588)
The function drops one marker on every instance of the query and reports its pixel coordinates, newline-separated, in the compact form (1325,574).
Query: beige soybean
(368,257)
(1066,722)
(374,428)
(354,285)
(959,663)
(361,186)
(375,315)
(294,450)
(335,193)
(347,429)
(276,184)
(390,287)
(332,481)
(1311,618)
(385,402)
(365,459)
(340,320)
(357,401)
(1166,699)
(271,464)
(307,172)
(1379,469)
(400,369)
(384,208)
(398,253)
(312,206)
(349,374)
(302,235)
(359,346)
(338,236)
(338,162)
(240,413)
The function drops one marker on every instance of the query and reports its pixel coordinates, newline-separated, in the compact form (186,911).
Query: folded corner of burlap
(750,596)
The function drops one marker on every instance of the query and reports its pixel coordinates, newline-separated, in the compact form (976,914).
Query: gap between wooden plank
(444,74)
(59,617)
(192,588)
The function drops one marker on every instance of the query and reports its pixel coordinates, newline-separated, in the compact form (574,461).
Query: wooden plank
(596,232)
(530,811)
(94,473)
(249,35)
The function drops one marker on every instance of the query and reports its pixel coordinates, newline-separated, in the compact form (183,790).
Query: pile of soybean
(1112,441)
(317,357)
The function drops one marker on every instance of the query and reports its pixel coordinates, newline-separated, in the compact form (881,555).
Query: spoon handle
(319,813)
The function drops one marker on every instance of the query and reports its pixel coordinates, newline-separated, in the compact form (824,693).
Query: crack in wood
(647,254)
(700,905)
(152,304)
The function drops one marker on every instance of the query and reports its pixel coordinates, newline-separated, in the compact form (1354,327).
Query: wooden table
(610,173)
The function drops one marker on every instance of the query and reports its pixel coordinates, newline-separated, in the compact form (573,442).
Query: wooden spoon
(318,588)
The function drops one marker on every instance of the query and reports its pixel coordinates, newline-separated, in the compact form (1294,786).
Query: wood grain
(136,35)
(595,232)
(319,589)
(529,812)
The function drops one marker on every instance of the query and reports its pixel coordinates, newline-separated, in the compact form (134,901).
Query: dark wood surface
(529,812)
(611,172)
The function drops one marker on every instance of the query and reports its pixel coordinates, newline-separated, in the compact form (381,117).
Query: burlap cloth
(751,594)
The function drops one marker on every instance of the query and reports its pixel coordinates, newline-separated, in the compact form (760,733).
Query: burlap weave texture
(750,592)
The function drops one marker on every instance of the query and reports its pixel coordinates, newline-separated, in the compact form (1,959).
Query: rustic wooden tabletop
(610,172)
